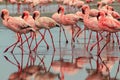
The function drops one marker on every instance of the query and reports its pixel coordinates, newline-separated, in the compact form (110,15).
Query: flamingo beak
(34,16)
(23,15)
(2,15)
(59,10)
(98,15)
(98,5)
(83,11)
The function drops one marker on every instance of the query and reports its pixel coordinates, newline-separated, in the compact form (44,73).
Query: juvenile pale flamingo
(29,19)
(44,23)
(17,25)
(69,19)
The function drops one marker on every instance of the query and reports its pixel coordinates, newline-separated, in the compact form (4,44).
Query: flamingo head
(61,8)
(101,13)
(36,14)
(110,8)
(99,3)
(84,7)
(4,12)
(25,13)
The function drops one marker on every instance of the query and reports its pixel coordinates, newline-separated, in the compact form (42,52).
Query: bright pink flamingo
(108,24)
(56,17)
(44,23)
(90,23)
(17,25)
(69,19)
(29,19)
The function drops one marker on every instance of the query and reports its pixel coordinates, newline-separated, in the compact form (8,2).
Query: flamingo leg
(117,39)
(27,43)
(65,35)
(25,40)
(60,35)
(104,45)
(33,36)
(89,40)
(43,38)
(72,40)
(79,30)
(118,69)
(14,44)
(52,40)
(96,43)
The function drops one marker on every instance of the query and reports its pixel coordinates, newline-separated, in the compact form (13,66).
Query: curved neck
(86,16)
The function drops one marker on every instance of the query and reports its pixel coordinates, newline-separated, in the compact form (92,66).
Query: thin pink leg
(32,34)
(44,39)
(52,40)
(18,66)
(65,35)
(79,30)
(12,44)
(60,35)
(35,48)
(117,38)
(96,43)
(25,41)
(104,45)
(89,40)
(118,69)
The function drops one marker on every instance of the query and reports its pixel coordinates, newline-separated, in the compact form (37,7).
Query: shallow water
(77,63)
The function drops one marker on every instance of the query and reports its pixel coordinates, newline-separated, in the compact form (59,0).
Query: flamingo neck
(86,16)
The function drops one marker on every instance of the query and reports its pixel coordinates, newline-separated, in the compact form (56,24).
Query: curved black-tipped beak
(23,15)
(59,10)
(83,11)
(2,15)
(98,5)
(98,15)
(112,9)
(34,16)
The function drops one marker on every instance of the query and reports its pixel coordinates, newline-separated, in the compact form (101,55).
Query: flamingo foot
(66,41)
(6,50)
(11,51)
(47,47)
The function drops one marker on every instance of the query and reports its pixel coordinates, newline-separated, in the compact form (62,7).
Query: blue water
(66,52)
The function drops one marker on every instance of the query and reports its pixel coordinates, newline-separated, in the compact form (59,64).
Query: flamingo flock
(31,28)
(104,21)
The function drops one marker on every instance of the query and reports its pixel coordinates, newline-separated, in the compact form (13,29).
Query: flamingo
(17,25)
(29,19)
(90,23)
(56,17)
(44,23)
(108,24)
(69,19)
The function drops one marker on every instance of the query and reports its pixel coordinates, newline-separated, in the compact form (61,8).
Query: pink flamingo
(69,19)
(56,17)
(29,19)
(44,23)
(90,23)
(17,25)
(108,24)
